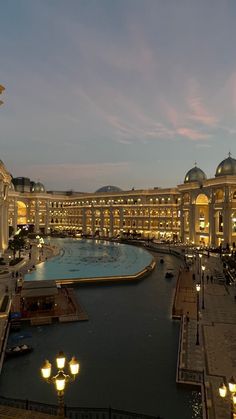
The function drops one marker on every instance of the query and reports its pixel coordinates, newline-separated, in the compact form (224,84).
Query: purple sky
(128,92)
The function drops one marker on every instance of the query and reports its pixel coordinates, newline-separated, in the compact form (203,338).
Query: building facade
(200,210)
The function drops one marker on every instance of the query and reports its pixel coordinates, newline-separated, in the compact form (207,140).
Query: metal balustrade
(74,412)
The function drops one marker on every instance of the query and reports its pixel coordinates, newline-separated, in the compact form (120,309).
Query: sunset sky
(116,92)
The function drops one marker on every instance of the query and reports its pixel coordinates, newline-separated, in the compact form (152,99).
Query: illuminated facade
(200,210)
(5,181)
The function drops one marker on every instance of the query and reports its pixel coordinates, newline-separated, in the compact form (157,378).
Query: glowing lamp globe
(60,381)
(46,369)
(74,366)
(60,360)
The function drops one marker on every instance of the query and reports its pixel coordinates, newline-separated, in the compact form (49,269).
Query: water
(86,258)
(127,352)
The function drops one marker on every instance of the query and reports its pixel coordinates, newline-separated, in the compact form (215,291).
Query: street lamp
(232,390)
(60,378)
(200,264)
(203,287)
(198,288)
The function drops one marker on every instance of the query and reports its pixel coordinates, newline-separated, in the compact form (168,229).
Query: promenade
(7,412)
(214,359)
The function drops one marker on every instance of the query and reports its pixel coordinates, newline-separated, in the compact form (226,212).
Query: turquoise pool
(80,258)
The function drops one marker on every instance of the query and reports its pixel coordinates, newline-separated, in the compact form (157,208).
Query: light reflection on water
(127,351)
(196,406)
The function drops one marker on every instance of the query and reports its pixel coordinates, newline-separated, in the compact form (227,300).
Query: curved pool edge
(109,279)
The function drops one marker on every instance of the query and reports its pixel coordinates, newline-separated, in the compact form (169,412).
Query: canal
(127,351)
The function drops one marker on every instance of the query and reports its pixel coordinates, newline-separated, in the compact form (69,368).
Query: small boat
(18,350)
(169,275)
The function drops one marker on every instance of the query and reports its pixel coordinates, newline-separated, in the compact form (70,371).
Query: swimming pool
(80,258)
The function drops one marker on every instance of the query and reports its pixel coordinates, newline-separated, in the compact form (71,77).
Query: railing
(191,376)
(75,412)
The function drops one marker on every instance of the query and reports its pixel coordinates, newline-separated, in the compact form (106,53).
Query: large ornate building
(200,210)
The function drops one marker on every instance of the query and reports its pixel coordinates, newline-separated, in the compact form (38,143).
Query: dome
(109,188)
(38,187)
(195,175)
(227,167)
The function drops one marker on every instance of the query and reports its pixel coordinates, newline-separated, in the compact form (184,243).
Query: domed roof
(226,167)
(38,187)
(195,175)
(109,188)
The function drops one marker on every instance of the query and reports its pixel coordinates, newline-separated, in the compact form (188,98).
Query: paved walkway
(7,412)
(216,353)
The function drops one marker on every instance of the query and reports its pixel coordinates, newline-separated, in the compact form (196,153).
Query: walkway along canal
(127,350)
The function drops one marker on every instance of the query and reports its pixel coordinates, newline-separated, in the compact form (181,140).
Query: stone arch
(202,213)
(202,199)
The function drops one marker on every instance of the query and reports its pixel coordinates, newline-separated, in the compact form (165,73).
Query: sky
(116,92)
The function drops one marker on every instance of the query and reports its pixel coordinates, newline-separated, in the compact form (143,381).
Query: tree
(16,245)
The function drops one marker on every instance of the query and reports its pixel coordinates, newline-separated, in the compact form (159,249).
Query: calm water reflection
(127,351)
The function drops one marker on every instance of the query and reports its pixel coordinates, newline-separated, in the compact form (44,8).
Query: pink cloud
(200,113)
(192,134)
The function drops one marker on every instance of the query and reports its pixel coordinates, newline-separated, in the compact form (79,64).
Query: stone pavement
(216,353)
(7,412)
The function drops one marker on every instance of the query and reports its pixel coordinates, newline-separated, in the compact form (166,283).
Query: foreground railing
(74,412)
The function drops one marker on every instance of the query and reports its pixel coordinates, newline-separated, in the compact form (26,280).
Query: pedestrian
(17,274)
(187,316)
(207,279)
(211,279)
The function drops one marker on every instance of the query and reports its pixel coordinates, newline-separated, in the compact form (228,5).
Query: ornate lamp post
(198,288)
(200,267)
(60,378)
(203,287)
(232,390)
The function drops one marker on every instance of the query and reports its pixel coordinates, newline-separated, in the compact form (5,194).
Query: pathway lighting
(198,288)
(223,390)
(60,378)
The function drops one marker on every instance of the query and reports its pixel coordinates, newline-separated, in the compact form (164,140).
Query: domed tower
(38,187)
(109,188)
(195,175)
(227,167)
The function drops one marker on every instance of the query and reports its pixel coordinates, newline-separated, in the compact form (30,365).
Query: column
(47,218)
(15,216)
(192,222)
(111,223)
(121,217)
(84,229)
(36,217)
(212,227)
(226,218)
